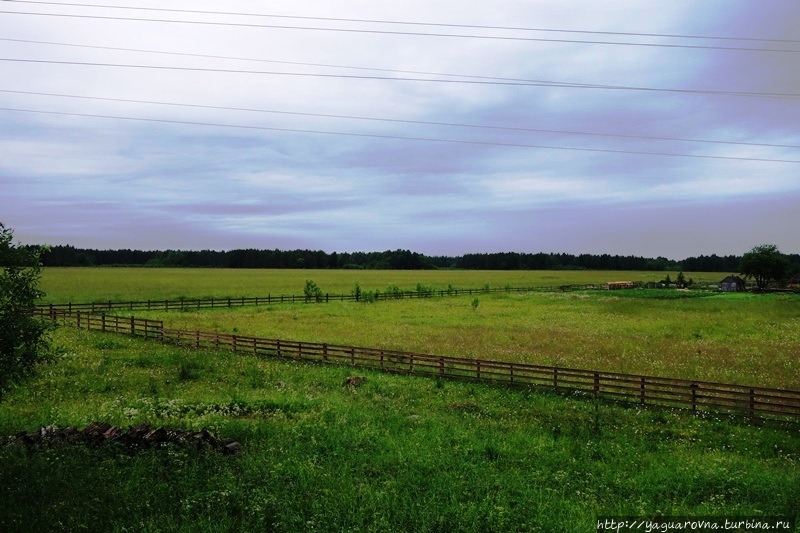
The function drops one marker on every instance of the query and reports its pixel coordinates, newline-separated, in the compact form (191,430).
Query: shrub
(312,291)
(24,342)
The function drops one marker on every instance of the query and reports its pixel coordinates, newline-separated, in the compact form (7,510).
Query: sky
(658,128)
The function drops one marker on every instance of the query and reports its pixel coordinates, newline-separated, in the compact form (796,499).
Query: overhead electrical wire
(412,23)
(544,83)
(403,121)
(405,33)
(790,96)
(404,138)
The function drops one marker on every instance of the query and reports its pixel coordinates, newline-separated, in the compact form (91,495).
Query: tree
(764,263)
(24,340)
(312,291)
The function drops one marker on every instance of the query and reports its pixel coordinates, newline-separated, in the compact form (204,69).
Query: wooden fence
(211,303)
(140,327)
(754,403)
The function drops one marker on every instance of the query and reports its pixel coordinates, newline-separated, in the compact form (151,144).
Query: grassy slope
(397,453)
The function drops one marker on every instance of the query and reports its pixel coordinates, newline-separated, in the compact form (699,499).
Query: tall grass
(394,454)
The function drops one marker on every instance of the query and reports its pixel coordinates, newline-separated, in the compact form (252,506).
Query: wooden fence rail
(754,403)
(140,327)
(214,302)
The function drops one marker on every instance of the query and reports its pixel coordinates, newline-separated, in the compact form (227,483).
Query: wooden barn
(793,282)
(732,284)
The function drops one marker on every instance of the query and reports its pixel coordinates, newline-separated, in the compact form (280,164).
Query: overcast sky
(440,126)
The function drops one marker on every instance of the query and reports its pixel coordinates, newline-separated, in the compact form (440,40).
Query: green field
(124,284)
(400,453)
(397,453)
(733,338)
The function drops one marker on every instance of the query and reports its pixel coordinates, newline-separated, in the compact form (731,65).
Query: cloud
(259,152)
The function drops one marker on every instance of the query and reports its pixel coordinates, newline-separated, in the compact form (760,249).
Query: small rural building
(616,285)
(793,282)
(732,284)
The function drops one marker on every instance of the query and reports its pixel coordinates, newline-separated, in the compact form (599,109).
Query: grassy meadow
(732,338)
(397,453)
(63,285)
(401,453)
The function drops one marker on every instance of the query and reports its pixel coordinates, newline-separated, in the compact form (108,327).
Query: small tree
(24,342)
(312,290)
(764,263)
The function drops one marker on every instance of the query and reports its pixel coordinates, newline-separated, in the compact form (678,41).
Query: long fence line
(241,301)
(754,403)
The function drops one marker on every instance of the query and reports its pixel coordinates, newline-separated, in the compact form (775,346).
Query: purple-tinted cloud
(614,168)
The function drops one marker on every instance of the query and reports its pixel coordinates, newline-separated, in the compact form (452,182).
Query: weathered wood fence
(754,403)
(139,327)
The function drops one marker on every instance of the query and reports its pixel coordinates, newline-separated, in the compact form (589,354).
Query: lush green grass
(395,454)
(732,338)
(125,284)
(402,453)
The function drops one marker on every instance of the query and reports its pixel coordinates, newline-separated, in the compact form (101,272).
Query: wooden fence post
(511,372)
(478,369)
(596,385)
(555,379)
(641,391)
(325,352)
(752,405)
(103,322)
(694,397)
(411,363)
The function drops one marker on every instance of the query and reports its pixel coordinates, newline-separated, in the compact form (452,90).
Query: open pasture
(396,453)
(401,453)
(743,339)
(732,338)
(63,285)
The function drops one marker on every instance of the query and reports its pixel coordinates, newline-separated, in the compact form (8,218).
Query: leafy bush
(24,342)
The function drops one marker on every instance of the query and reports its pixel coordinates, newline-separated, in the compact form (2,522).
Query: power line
(402,121)
(524,83)
(407,33)
(544,83)
(403,138)
(413,23)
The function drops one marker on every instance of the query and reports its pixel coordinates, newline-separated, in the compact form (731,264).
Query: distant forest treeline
(390,259)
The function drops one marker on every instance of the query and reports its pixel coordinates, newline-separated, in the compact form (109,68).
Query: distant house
(732,284)
(793,282)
